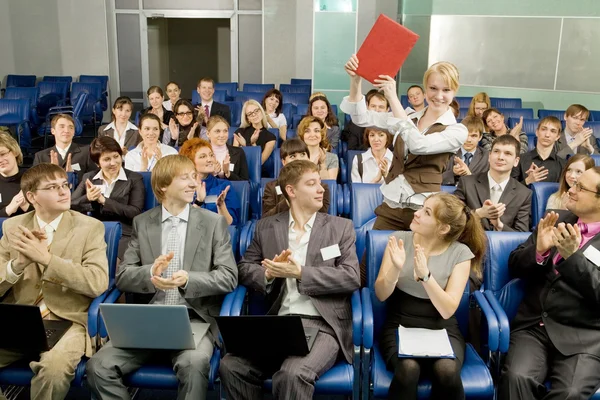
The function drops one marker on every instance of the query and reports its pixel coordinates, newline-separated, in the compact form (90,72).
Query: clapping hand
(283,269)
(545,232)
(174,129)
(32,247)
(178,279)
(517,129)
(240,139)
(283,257)
(420,270)
(395,249)
(226,164)
(566,238)
(460,167)
(536,174)
(254,137)
(222,196)
(93,192)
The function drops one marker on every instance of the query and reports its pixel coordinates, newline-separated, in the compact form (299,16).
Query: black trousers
(533,359)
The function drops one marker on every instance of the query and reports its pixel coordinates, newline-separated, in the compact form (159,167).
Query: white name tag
(278,190)
(76,167)
(592,254)
(330,252)
(0,197)
(210,199)
(231,167)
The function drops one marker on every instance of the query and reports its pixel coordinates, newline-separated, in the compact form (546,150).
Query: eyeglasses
(253,113)
(579,188)
(5,154)
(185,114)
(57,188)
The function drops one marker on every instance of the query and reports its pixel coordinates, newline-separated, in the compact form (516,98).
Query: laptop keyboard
(49,333)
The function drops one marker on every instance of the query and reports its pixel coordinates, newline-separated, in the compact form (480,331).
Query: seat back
(13,111)
(596,158)
(22,93)
(242,191)
(253,158)
(277,164)
(496,275)
(103,81)
(20,81)
(220,96)
(595,126)
(301,108)
(560,114)
(517,112)
(296,99)
(463,101)
(243,97)
(54,78)
(234,237)
(112,235)
(507,102)
(594,115)
(229,87)
(448,188)
(333,195)
(56,88)
(2,223)
(94,92)
(73,180)
(350,154)
(365,199)
(539,199)
(196,97)
(289,88)
(236,112)
(258,87)
(150,201)
(529,124)
(376,244)
(288,110)
(300,81)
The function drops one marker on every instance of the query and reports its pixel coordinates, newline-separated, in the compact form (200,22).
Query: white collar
(128,127)
(120,177)
(369,154)
(209,104)
(309,224)
(493,183)
(54,224)
(446,118)
(184,215)
(462,149)
(65,150)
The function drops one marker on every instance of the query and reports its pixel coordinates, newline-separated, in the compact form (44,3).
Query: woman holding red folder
(422,278)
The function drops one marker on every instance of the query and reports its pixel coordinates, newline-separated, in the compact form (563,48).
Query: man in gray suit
(491,193)
(313,272)
(181,255)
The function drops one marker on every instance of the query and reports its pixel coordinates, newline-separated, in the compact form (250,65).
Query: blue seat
(529,124)
(277,164)
(289,88)
(15,113)
(229,87)
(73,180)
(288,110)
(19,373)
(531,141)
(333,196)
(20,81)
(301,81)
(291,133)
(150,201)
(236,112)
(243,97)
(595,126)
(55,78)
(594,115)
(51,94)
(253,159)
(517,112)
(463,102)
(92,109)
(342,378)
(475,375)
(234,235)
(539,199)
(347,172)
(506,102)
(242,190)
(365,198)
(448,188)
(231,134)
(25,93)
(258,87)
(74,110)
(302,109)
(103,81)
(596,158)
(296,118)
(560,114)
(295,98)
(462,113)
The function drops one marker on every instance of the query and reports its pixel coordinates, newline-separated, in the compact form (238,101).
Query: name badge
(0,197)
(592,254)
(210,199)
(278,190)
(231,167)
(330,252)
(76,167)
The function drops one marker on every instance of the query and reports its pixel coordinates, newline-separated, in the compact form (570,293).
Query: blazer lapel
(63,235)
(483,188)
(281,231)
(315,242)
(119,190)
(509,192)
(194,236)
(154,232)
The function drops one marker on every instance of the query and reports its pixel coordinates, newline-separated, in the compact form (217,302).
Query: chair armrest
(227,302)
(343,171)
(340,199)
(238,301)
(93,314)
(347,198)
(111,298)
(502,318)
(492,321)
(367,318)
(356,318)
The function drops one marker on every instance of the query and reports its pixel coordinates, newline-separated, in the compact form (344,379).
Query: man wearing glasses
(55,259)
(555,335)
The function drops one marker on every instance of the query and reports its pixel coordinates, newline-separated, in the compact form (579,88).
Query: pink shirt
(593,229)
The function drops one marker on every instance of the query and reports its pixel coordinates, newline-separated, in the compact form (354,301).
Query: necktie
(468,158)
(172,295)
(49,234)
(495,193)
(40,300)
(583,227)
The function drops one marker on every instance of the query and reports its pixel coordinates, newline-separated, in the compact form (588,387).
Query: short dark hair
(104,144)
(292,172)
(151,116)
(33,176)
(509,140)
(376,93)
(552,120)
(487,113)
(415,87)
(293,146)
(473,123)
(278,95)
(155,89)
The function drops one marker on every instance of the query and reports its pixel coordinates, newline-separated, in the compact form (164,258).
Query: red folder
(385,49)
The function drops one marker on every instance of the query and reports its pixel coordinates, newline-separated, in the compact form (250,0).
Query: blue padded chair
(51,94)
(291,133)
(16,113)
(531,141)
(596,158)
(404,101)
(236,112)
(506,102)
(150,201)
(289,88)
(275,131)
(253,159)
(25,93)
(594,125)
(529,124)
(258,87)
(333,196)
(296,118)
(463,102)
(103,81)
(229,87)
(462,113)
(74,110)
(475,375)
(448,188)
(302,109)
(242,190)
(349,159)
(365,198)
(243,97)
(288,110)
(234,235)
(92,109)
(560,114)
(342,378)
(231,134)
(55,78)
(295,98)
(20,81)
(73,180)
(517,112)
(277,164)
(539,199)
(594,115)
(196,97)
(19,373)
(301,81)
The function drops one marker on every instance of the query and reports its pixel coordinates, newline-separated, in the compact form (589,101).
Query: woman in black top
(184,126)
(12,200)
(156,98)
(253,130)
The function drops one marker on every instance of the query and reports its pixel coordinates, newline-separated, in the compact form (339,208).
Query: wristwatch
(424,279)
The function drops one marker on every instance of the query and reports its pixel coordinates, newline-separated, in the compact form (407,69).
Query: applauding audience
(496,127)
(576,139)
(121,129)
(470,158)
(312,131)
(183,126)
(272,104)
(576,165)
(373,165)
(12,199)
(253,130)
(230,161)
(146,154)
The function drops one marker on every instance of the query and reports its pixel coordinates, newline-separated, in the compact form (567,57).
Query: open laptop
(152,326)
(28,332)
(266,336)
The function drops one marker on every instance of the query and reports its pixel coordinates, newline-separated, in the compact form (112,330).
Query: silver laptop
(152,326)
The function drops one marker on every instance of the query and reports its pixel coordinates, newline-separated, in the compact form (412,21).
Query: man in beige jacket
(56,259)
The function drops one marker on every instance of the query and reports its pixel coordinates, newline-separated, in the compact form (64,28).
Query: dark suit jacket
(568,303)
(479,163)
(132,136)
(563,150)
(207,258)
(273,203)
(328,283)
(222,110)
(237,157)
(353,135)
(79,155)
(474,190)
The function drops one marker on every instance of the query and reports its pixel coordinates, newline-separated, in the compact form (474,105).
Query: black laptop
(266,336)
(28,332)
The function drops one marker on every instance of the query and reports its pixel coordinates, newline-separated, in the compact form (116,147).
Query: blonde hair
(481,97)
(165,170)
(447,70)
(6,140)
(245,122)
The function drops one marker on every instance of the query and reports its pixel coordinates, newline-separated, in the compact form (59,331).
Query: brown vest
(422,172)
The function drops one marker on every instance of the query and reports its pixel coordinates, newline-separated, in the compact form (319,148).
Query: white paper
(231,167)
(592,254)
(75,167)
(420,342)
(210,199)
(277,190)
(330,252)
(0,197)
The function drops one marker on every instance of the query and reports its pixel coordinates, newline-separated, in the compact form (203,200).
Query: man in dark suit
(313,273)
(180,255)
(208,107)
(555,335)
(502,203)
(65,153)
(470,159)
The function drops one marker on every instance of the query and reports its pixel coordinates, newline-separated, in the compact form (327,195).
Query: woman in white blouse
(272,104)
(121,129)
(146,154)
(376,161)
